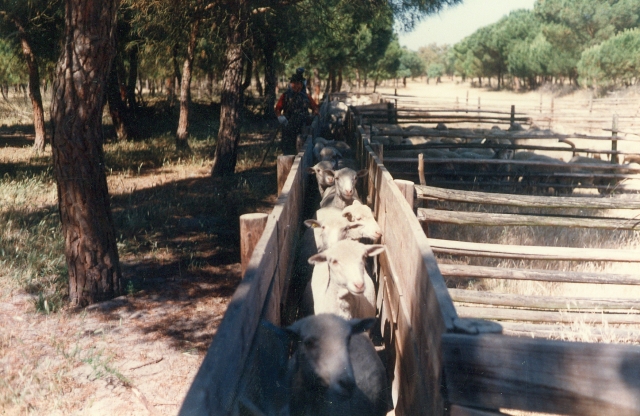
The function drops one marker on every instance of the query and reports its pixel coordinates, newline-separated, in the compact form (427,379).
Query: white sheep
(324,180)
(355,222)
(343,192)
(335,369)
(339,283)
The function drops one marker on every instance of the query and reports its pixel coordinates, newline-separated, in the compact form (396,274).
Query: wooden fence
(484,371)
(438,363)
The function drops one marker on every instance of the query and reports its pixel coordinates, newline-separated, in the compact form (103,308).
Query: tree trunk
(117,108)
(339,82)
(34,88)
(270,79)
(259,88)
(185,89)
(78,157)
(131,81)
(224,161)
(316,83)
(249,69)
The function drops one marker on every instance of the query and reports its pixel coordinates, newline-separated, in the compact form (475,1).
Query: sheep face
(319,169)
(345,260)
(334,230)
(358,212)
(345,181)
(322,355)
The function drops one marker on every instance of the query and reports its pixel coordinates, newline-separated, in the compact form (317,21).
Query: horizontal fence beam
(498,371)
(492,219)
(484,272)
(504,314)
(426,192)
(463,248)
(596,333)
(540,302)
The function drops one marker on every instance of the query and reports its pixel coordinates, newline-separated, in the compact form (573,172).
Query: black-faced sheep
(335,369)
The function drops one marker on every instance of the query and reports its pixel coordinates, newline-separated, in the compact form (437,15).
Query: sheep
(343,192)
(355,222)
(335,369)
(324,180)
(330,153)
(533,176)
(606,185)
(339,283)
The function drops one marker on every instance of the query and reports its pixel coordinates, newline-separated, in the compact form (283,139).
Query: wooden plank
(497,371)
(541,302)
(497,219)
(595,333)
(457,161)
(462,248)
(457,410)
(483,272)
(429,309)
(503,314)
(525,200)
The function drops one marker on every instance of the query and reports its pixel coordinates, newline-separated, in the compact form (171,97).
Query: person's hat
(297,77)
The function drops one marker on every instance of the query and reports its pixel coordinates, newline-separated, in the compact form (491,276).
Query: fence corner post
(285,162)
(251,228)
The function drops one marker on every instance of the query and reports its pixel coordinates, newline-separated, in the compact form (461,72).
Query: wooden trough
(438,363)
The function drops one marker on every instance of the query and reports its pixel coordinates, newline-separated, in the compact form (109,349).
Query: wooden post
(251,228)
(381,152)
(467,102)
(513,114)
(285,162)
(423,180)
(408,189)
(614,137)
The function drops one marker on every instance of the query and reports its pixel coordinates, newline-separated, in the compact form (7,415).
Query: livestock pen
(438,362)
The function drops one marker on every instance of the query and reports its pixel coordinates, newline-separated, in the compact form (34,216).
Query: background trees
(549,43)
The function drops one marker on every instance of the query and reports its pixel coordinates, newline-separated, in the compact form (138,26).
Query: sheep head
(322,354)
(345,260)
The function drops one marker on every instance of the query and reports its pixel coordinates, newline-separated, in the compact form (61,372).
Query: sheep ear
(312,223)
(317,258)
(311,171)
(347,214)
(329,172)
(356,203)
(374,249)
(361,325)
(361,173)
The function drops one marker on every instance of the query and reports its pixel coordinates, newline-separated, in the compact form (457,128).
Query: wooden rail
(493,219)
(462,248)
(417,306)
(484,272)
(430,192)
(540,302)
(497,371)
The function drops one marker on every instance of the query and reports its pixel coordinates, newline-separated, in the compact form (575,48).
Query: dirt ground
(137,354)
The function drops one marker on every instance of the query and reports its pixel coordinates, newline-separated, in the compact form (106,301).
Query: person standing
(292,110)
